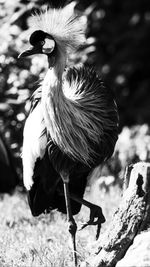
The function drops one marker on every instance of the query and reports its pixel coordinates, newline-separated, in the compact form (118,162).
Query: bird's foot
(96,218)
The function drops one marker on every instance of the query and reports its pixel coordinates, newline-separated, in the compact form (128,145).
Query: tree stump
(131,217)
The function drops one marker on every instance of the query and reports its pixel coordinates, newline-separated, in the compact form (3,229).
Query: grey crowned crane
(73,123)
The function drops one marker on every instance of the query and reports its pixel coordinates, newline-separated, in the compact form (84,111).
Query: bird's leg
(95,213)
(71,221)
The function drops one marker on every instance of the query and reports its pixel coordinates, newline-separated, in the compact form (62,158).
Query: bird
(8,178)
(72,126)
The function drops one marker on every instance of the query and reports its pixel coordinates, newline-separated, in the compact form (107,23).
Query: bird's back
(90,115)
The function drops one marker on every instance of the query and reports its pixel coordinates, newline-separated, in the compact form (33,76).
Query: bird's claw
(96,218)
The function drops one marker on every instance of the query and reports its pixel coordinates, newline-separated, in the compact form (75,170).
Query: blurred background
(118,46)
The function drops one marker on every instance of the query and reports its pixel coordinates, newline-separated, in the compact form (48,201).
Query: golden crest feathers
(66,27)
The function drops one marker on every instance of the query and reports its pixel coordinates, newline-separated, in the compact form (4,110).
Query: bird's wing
(47,192)
(42,173)
(34,141)
(40,177)
(42,195)
(96,119)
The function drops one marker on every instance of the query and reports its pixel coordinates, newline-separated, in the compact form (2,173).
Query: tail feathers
(67,28)
(40,201)
(47,192)
(41,194)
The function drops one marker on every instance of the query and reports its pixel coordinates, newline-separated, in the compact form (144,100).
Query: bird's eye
(42,42)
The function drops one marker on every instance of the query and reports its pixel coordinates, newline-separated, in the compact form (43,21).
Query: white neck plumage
(53,100)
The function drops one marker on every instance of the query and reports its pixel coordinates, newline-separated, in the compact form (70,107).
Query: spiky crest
(66,27)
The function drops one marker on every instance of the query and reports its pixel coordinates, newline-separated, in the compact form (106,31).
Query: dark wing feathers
(93,86)
(47,191)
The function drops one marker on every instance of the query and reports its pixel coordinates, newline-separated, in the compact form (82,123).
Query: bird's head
(56,33)
(41,43)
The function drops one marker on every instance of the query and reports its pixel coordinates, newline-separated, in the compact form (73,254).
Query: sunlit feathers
(67,28)
(34,144)
(81,115)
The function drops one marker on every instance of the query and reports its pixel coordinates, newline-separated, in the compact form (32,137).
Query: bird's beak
(31,51)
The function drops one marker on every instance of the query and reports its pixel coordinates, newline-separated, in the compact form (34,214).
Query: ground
(26,241)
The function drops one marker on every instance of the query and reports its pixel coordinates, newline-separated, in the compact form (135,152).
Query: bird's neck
(52,85)
(53,99)
(53,79)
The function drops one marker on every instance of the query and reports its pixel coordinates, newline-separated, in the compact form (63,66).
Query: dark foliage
(8,176)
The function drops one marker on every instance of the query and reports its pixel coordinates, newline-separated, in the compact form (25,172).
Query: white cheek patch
(48,46)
